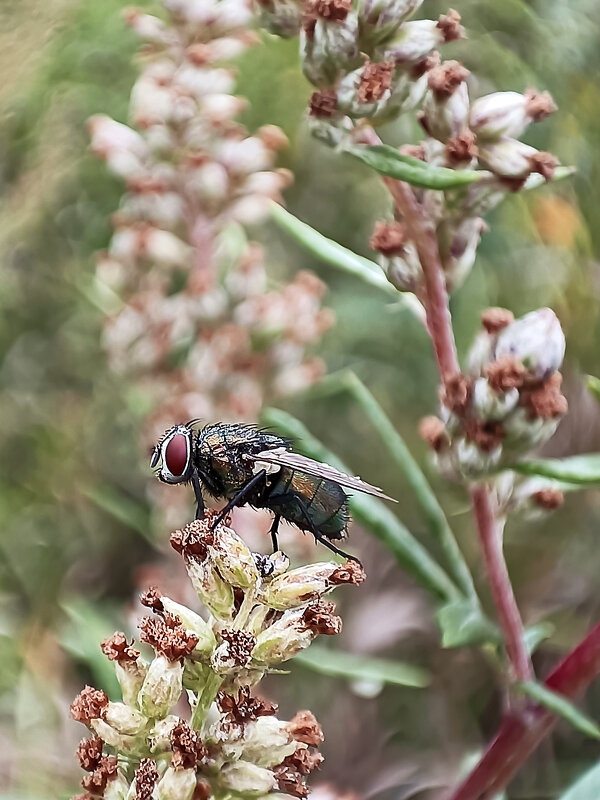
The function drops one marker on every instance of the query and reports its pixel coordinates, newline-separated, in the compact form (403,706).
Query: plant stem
(489,528)
(211,684)
(520,734)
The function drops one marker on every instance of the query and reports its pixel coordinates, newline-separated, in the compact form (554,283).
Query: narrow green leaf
(462,624)
(371,513)
(587,787)
(593,384)
(535,180)
(582,470)
(355,667)
(396,447)
(559,705)
(331,252)
(122,508)
(388,161)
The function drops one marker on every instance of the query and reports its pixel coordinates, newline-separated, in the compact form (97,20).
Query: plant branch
(520,734)
(489,528)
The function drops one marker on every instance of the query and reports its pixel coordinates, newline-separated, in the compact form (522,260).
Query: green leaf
(581,470)
(121,507)
(535,180)
(587,787)
(559,705)
(396,447)
(355,667)
(388,161)
(371,513)
(593,384)
(86,627)
(331,252)
(536,634)
(462,624)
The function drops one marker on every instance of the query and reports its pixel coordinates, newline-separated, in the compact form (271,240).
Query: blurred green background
(77,538)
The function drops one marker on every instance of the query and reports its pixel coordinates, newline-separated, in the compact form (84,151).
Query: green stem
(206,696)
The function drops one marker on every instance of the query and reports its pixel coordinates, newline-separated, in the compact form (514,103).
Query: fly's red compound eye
(176,454)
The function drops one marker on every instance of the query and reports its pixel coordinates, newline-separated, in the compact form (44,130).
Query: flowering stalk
(259,613)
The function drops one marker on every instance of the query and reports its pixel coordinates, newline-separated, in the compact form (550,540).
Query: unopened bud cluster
(370,63)
(260,613)
(198,324)
(507,402)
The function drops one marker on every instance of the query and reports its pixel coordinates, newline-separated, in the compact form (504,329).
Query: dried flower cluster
(507,402)
(200,328)
(260,614)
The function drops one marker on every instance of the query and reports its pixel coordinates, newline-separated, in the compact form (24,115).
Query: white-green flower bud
(367,91)
(284,639)
(130,675)
(489,404)
(124,719)
(298,586)
(267,742)
(331,132)
(537,340)
(113,738)
(247,779)
(213,591)
(380,19)
(158,738)
(329,49)
(481,353)
(281,17)
(192,622)
(404,274)
(445,115)
(177,784)
(116,788)
(413,42)
(234,559)
(523,433)
(474,462)
(162,687)
(507,157)
(508,113)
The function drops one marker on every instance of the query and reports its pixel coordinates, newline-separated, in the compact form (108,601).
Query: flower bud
(116,788)
(162,687)
(510,158)
(267,741)
(159,736)
(177,784)
(112,737)
(446,106)
(210,182)
(244,156)
(380,19)
(284,639)
(213,591)
(367,91)
(124,719)
(458,248)
(522,433)
(329,49)
(281,17)
(413,42)
(298,586)
(130,675)
(234,559)
(472,461)
(245,778)
(489,404)
(504,114)
(536,340)
(165,248)
(192,622)
(148,27)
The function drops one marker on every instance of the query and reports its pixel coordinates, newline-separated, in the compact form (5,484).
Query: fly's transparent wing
(287,458)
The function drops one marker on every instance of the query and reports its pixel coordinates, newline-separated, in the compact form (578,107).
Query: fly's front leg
(198,492)
(237,500)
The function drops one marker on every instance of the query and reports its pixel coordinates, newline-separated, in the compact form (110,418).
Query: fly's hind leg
(319,536)
(273,532)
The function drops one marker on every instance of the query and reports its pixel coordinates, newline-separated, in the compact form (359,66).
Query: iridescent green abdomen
(325,502)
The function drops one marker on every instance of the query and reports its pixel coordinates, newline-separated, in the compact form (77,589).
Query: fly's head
(174,453)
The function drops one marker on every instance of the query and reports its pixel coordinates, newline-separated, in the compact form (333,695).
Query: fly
(244,464)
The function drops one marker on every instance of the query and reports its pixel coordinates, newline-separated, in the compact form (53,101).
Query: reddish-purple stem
(520,733)
(490,537)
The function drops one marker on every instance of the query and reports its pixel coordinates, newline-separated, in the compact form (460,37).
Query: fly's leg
(319,536)
(243,492)
(198,493)
(273,532)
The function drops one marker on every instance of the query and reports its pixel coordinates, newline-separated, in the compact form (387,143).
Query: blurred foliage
(76,528)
